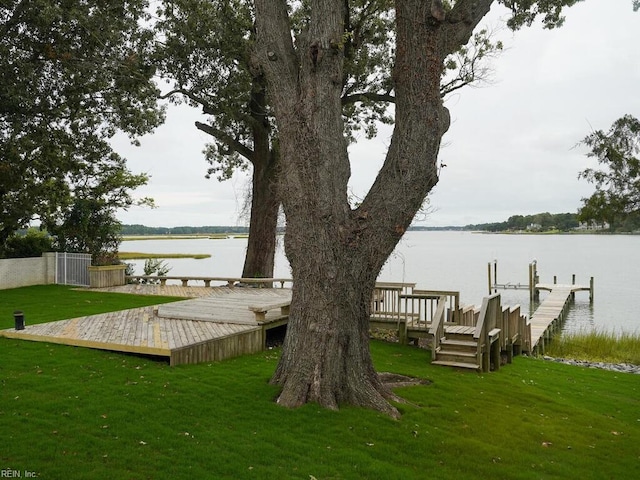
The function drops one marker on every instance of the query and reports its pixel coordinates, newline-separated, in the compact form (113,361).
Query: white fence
(61,268)
(73,269)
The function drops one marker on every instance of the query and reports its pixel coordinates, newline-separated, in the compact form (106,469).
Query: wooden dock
(549,316)
(225,322)
(214,327)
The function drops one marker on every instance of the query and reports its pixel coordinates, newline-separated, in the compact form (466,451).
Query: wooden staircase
(467,337)
(475,347)
(458,348)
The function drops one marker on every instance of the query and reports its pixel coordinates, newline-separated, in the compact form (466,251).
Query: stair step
(470,366)
(459,330)
(460,337)
(456,356)
(458,343)
(457,353)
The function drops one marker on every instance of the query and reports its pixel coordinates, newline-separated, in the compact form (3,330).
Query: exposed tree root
(366,395)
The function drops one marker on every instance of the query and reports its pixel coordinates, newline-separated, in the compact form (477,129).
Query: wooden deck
(550,315)
(209,328)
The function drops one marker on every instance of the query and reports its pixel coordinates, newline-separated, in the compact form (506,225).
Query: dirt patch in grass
(395,380)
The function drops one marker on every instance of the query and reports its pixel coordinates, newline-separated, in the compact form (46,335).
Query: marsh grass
(597,345)
(69,412)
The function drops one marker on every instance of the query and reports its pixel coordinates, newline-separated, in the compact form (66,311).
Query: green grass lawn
(69,412)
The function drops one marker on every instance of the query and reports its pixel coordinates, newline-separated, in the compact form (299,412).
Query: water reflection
(580,316)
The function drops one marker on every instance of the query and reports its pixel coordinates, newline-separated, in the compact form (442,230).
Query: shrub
(32,244)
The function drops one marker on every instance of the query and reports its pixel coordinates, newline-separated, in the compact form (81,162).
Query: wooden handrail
(437,325)
(402,287)
(487,319)
(487,332)
(454,301)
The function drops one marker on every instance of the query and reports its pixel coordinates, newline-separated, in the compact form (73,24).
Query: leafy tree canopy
(71,74)
(206,58)
(617,195)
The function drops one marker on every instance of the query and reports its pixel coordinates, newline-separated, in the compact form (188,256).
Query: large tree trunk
(265,201)
(265,206)
(336,252)
(326,356)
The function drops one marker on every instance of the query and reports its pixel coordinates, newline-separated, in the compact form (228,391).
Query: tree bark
(336,252)
(263,225)
(265,201)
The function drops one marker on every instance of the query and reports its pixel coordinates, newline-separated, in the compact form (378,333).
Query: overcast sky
(511,148)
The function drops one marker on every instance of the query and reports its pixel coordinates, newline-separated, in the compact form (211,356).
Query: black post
(18,316)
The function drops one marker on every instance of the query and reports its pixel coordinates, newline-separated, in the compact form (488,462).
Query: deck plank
(143,330)
(551,310)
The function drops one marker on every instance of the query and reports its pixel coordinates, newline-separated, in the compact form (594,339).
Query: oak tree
(205,55)
(336,250)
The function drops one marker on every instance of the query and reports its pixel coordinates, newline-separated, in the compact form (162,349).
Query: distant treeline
(144,230)
(538,222)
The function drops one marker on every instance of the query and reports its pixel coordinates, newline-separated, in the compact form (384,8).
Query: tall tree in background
(71,74)
(206,56)
(336,250)
(617,196)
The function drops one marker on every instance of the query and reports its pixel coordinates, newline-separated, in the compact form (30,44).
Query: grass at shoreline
(68,412)
(143,256)
(597,346)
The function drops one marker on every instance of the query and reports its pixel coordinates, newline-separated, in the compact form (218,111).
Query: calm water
(458,261)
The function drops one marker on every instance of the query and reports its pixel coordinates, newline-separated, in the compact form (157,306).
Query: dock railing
(411,311)
(468,315)
(419,307)
(519,333)
(385,309)
(385,302)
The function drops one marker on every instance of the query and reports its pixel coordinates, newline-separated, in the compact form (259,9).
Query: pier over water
(551,313)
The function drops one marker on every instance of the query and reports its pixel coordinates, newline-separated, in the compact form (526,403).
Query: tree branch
(227,139)
(368,96)
(462,20)
(207,108)
(276,50)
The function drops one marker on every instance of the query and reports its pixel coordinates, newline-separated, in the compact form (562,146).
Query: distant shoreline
(232,235)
